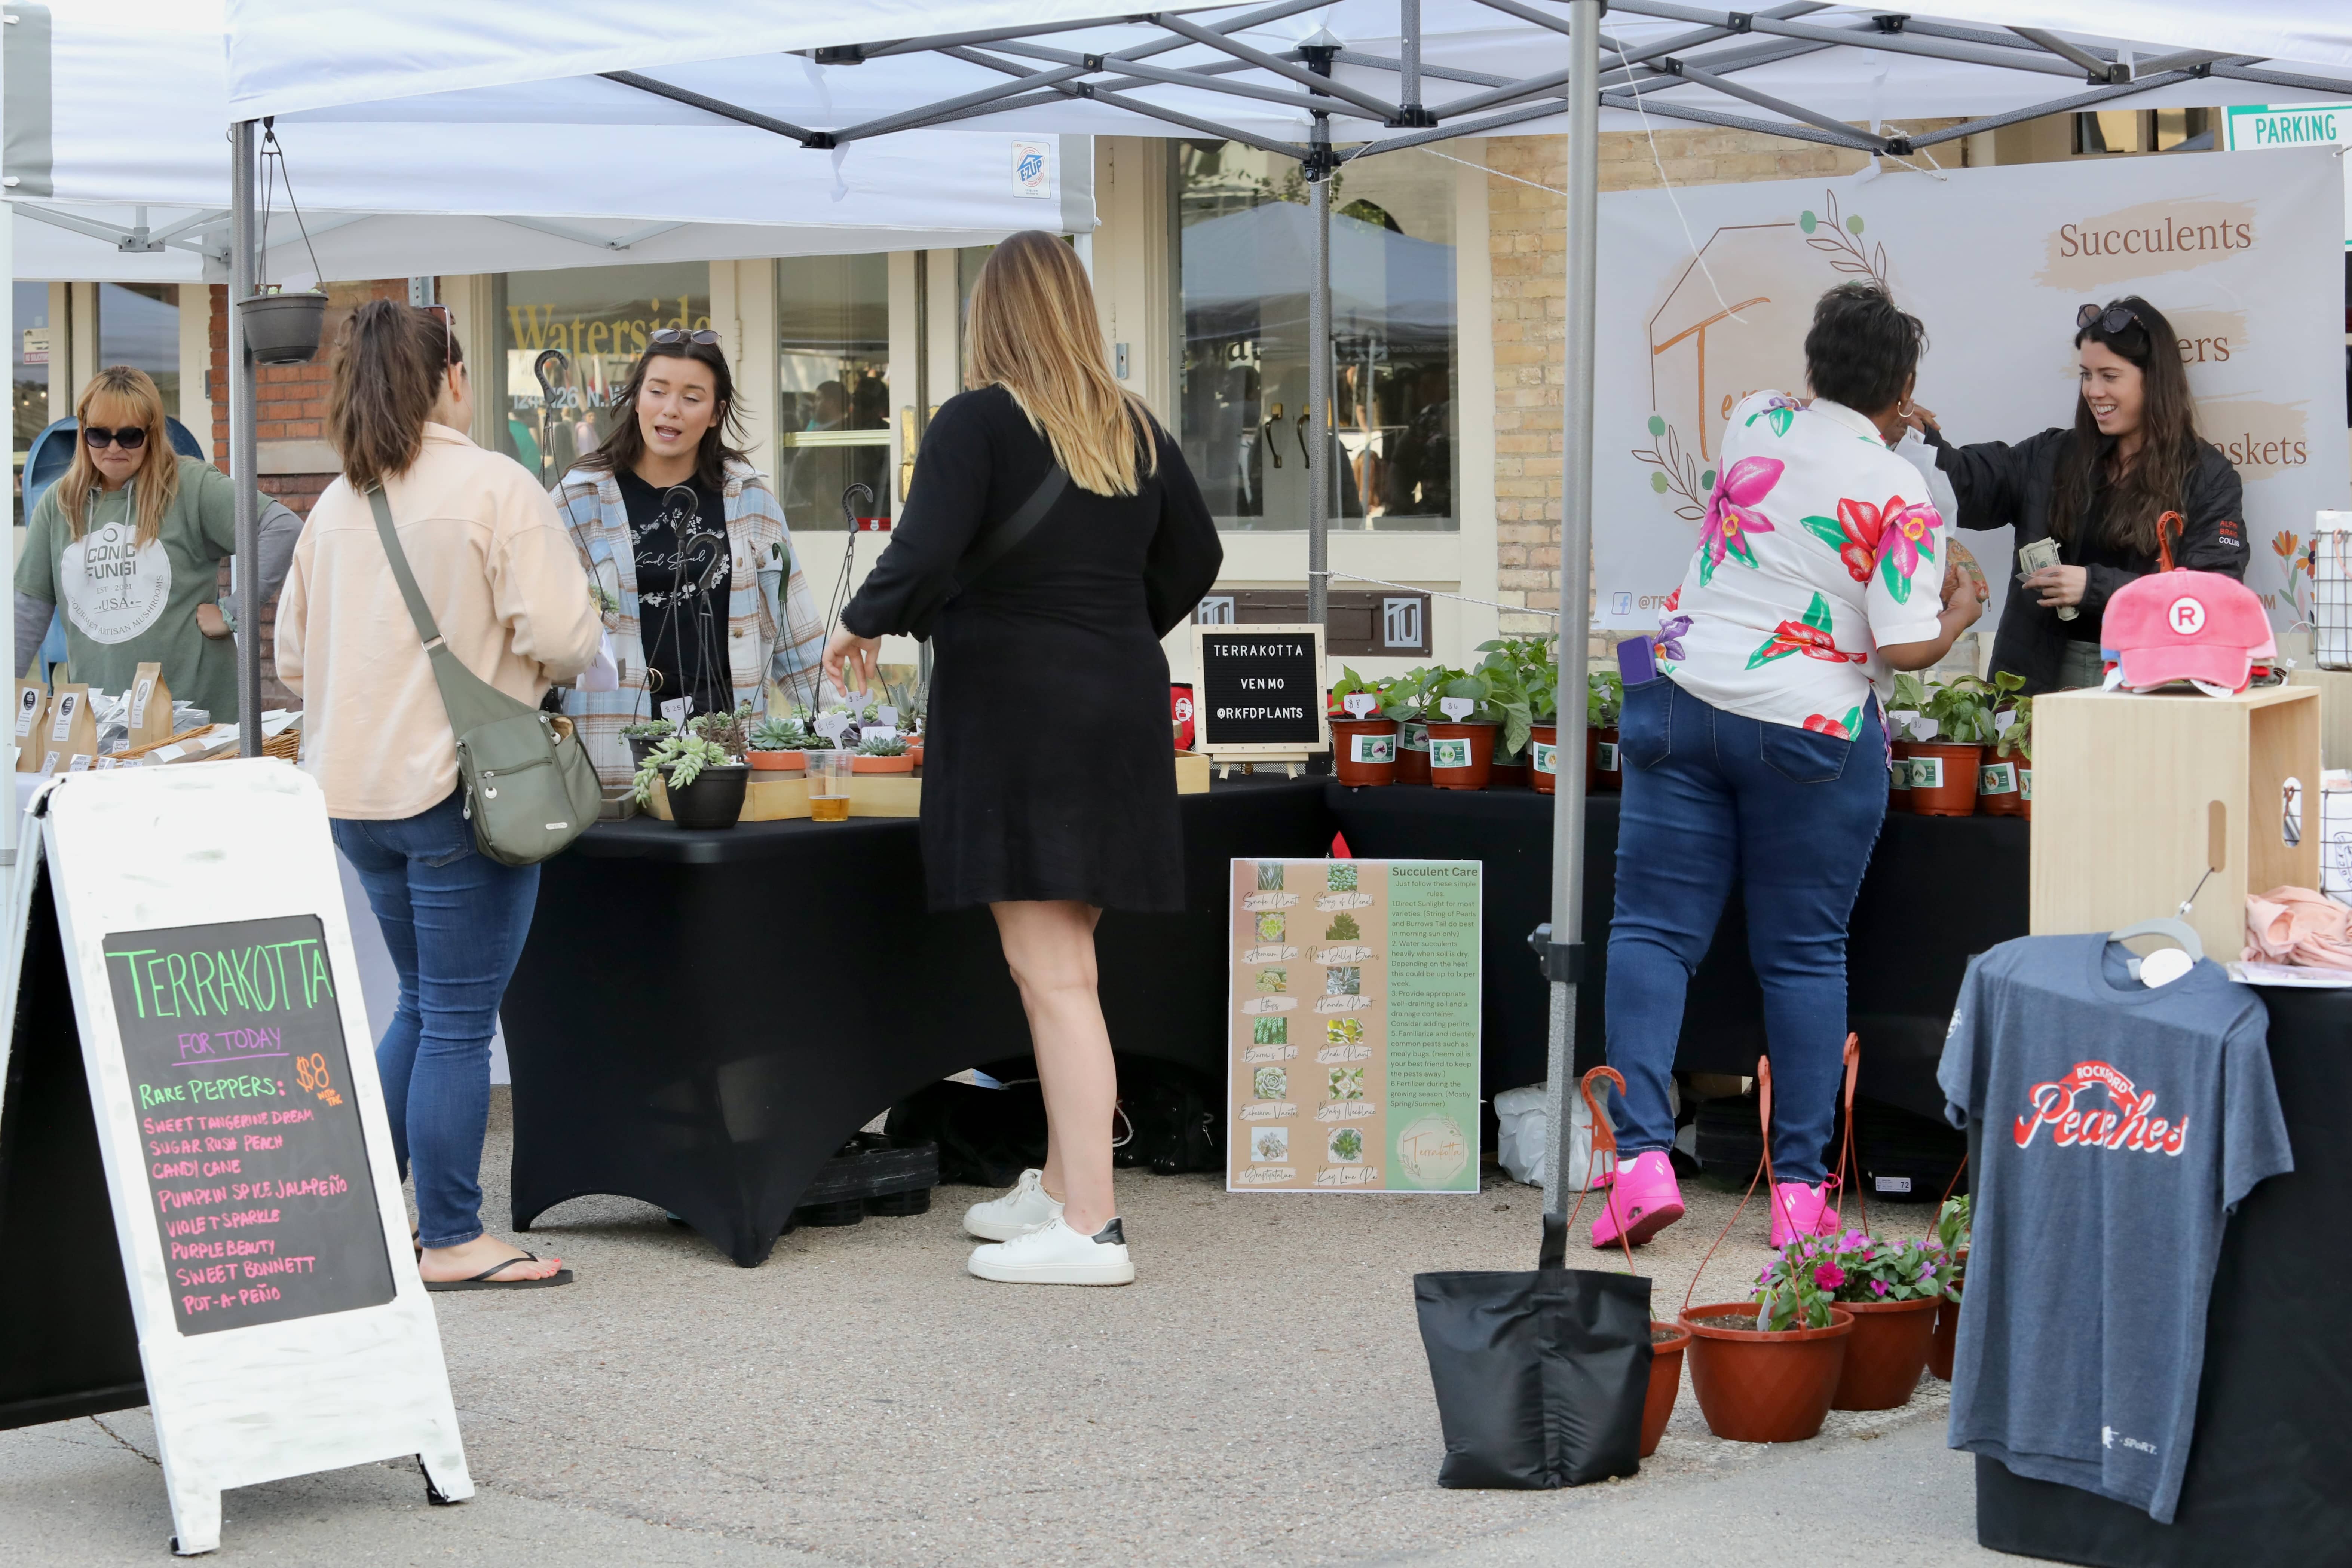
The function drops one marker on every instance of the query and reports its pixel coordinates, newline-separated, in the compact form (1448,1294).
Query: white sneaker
(1017,1213)
(1053,1254)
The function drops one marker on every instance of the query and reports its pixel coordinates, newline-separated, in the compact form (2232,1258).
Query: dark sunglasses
(131,437)
(2109,319)
(667,335)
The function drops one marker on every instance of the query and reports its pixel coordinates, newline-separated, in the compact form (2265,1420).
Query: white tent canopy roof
(453,196)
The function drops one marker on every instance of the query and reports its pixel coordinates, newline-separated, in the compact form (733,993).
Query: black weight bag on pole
(1541,1377)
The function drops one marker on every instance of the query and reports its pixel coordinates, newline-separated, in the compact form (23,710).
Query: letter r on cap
(2188,616)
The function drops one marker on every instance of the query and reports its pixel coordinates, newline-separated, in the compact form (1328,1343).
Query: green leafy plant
(1604,699)
(1952,1222)
(683,758)
(1910,694)
(1407,698)
(882,746)
(1962,710)
(647,730)
(1796,1291)
(2017,741)
(774,734)
(726,730)
(1350,684)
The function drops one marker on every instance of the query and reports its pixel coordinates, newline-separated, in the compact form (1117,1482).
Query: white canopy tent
(1296,77)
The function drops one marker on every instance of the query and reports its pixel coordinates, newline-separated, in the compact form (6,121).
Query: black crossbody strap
(989,550)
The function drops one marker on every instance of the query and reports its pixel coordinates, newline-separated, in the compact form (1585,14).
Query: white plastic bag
(1524,1143)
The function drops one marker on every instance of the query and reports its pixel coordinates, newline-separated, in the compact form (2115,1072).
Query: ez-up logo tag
(1449,753)
(1360,704)
(1545,758)
(1371,749)
(1455,708)
(1033,171)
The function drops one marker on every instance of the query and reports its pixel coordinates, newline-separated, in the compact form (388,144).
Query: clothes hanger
(2178,930)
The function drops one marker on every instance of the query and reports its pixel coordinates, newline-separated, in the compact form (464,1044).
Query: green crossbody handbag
(530,787)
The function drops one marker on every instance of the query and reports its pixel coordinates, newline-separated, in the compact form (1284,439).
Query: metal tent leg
(243,450)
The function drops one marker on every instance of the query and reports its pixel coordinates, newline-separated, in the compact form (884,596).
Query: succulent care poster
(1352,1027)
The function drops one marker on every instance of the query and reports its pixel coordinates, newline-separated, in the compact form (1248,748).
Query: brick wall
(1526,230)
(289,405)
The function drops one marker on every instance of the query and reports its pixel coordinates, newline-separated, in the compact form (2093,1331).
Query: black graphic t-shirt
(684,576)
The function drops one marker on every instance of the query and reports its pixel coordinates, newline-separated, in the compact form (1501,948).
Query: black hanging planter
(284,329)
(714,798)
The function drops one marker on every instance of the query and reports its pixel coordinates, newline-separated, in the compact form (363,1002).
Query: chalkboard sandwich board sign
(1261,692)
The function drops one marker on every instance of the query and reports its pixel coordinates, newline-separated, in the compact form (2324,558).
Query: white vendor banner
(1701,305)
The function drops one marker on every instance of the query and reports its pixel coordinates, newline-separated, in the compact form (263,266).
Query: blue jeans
(1712,797)
(455,922)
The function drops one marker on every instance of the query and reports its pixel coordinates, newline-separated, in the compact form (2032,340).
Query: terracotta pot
(1998,793)
(1665,1381)
(1764,1388)
(714,798)
(1543,772)
(2025,794)
(1603,764)
(1364,751)
(1413,753)
(1947,1341)
(1885,1352)
(1476,745)
(902,763)
(1898,776)
(915,749)
(1956,765)
(777,762)
(1508,775)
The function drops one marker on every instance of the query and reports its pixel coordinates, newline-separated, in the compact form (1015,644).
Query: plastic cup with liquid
(828,785)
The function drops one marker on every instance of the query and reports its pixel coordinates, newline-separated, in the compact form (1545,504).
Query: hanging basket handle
(1846,1157)
(1763,1167)
(1604,1138)
(2168,526)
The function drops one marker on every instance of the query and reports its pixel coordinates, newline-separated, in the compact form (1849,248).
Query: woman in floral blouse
(1758,754)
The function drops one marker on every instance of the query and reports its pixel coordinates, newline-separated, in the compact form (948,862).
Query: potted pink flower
(1764,1369)
(1893,1289)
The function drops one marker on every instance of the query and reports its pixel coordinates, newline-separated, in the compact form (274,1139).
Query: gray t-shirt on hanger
(2121,1125)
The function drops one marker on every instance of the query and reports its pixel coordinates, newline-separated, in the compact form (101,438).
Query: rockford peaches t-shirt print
(2120,1124)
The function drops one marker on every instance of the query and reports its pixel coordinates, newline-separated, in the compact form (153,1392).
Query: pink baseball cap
(2185,625)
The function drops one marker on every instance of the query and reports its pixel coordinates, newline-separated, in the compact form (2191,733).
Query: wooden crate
(765,799)
(772,799)
(1192,773)
(2334,688)
(2134,797)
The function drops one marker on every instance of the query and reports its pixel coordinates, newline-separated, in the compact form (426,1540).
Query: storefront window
(1243,225)
(33,347)
(569,340)
(832,386)
(139,325)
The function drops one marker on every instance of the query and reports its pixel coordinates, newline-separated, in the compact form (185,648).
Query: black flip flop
(483,1281)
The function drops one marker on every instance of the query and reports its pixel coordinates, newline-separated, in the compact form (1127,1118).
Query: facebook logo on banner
(1033,171)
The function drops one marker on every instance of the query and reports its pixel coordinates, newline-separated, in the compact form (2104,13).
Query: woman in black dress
(1049,789)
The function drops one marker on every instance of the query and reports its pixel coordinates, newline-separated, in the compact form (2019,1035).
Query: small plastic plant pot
(793,762)
(903,762)
(1413,753)
(1364,751)
(1999,787)
(1604,764)
(1944,778)
(1757,1387)
(1665,1381)
(1543,765)
(1898,775)
(1885,1352)
(1508,775)
(1469,761)
(1947,1341)
(714,798)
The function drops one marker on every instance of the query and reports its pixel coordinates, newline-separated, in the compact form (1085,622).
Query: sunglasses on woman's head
(131,437)
(667,335)
(2108,318)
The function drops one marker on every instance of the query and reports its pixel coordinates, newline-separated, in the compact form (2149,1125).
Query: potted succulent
(1604,702)
(1951,1239)
(777,745)
(1462,750)
(1408,701)
(1903,707)
(704,783)
(1364,749)
(1766,1369)
(643,735)
(882,755)
(1943,770)
(2005,784)
(1893,1289)
(728,732)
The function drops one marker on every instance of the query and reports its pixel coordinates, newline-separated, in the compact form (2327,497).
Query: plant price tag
(1455,708)
(886,717)
(2003,719)
(876,731)
(831,725)
(674,710)
(1360,704)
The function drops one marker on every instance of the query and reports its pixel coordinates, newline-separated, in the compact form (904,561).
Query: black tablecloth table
(1939,890)
(2270,1470)
(700,1019)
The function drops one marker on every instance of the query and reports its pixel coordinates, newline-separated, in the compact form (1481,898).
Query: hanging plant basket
(1760,1387)
(1886,1354)
(714,798)
(283,329)
(1668,1342)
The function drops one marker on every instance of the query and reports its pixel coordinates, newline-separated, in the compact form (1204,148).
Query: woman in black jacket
(1050,784)
(2099,490)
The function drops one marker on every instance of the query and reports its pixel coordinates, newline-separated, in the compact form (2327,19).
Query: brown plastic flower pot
(1543,781)
(1665,1381)
(1898,775)
(1364,751)
(1947,1341)
(1479,767)
(1413,753)
(777,762)
(1956,765)
(1886,1354)
(1763,1387)
(1604,764)
(1992,800)
(2025,794)
(903,762)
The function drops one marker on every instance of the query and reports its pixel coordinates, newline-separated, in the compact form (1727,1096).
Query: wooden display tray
(769,798)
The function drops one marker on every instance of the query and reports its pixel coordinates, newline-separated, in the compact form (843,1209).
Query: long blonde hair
(154,483)
(1032,331)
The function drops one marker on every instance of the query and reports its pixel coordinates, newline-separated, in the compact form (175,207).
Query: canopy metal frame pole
(1318,360)
(244,448)
(1564,962)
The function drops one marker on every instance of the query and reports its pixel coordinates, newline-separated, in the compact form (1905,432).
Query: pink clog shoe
(1800,1210)
(1641,1200)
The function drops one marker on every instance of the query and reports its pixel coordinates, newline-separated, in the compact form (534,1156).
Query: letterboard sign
(257,1162)
(1261,689)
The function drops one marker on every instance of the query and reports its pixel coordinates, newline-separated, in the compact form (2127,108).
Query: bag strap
(1000,541)
(418,611)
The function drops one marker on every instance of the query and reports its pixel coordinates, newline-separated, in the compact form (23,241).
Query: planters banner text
(1353,1027)
(2243,254)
